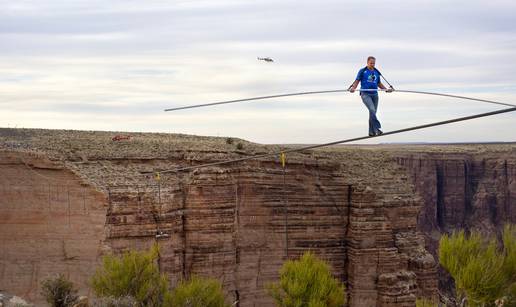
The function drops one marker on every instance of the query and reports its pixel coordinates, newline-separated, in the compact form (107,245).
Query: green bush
(59,292)
(198,292)
(421,302)
(307,282)
(483,271)
(133,274)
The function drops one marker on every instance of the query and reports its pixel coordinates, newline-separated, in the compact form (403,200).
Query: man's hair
(371,58)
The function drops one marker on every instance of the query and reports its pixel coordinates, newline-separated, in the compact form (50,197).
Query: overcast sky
(115,65)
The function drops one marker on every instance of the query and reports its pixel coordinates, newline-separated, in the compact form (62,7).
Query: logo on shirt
(371,78)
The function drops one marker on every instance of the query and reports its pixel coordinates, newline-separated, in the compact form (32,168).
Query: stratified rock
(463,187)
(69,197)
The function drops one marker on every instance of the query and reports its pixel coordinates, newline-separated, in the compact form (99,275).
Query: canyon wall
(463,191)
(471,191)
(240,224)
(237,224)
(374,213)
(50,223)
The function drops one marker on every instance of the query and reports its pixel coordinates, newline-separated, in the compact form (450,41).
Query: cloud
(115,65)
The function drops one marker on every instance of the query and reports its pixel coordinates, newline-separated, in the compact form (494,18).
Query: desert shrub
(240,146)
(307,282)
(198,292)
(422,302)
(59,291)
(133,274)
(483,271)
(229,141)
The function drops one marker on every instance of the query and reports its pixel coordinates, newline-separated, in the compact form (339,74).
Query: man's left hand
(390,90)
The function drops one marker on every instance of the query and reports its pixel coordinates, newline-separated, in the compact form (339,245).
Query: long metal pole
(335,91)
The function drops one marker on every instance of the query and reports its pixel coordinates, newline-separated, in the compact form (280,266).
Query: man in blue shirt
(369,79)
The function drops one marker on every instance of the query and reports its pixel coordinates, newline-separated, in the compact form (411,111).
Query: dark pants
(371,102)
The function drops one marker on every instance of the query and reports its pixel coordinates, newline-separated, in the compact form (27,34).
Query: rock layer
(472,190)
(50,223)
(68,197)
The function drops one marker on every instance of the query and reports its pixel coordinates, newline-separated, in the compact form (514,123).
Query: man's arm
(380,85)
(353,86)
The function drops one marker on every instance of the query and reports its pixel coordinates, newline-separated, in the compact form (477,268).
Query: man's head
(371,60)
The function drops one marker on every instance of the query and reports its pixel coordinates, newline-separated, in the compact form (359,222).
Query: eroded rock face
(469,190)
(50,223)
(239,223)
(356,208)
(461,191)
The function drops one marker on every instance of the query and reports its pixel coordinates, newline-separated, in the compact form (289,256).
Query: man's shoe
(379,132)
(372,134)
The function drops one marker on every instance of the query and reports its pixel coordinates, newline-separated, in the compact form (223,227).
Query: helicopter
(265,59)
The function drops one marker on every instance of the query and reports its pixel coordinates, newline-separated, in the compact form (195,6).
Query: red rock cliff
(356,207)
(473,187)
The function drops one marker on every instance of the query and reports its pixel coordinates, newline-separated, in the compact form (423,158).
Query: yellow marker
(157,176)
(283,159)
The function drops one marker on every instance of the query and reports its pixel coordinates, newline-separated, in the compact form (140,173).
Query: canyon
(374,213)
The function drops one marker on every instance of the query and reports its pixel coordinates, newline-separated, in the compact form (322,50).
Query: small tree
(482,271)
(199,292)
(133,274)
(59,292)
(307,282)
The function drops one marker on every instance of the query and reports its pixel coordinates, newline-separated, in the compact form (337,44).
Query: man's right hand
(351,89)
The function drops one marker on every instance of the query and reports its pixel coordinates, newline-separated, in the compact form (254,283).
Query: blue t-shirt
(369,79)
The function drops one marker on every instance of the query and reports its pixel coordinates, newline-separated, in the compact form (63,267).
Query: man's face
(371,63)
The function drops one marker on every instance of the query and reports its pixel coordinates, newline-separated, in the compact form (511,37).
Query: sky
(116,65)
